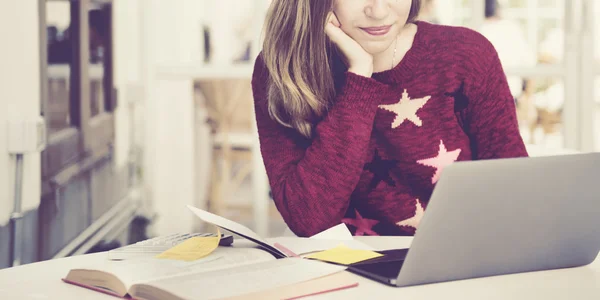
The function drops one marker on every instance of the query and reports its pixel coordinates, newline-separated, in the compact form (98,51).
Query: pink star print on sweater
(362,225)
(443,159)
(416,219)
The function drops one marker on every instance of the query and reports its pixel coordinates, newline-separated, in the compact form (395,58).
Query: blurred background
(147,108)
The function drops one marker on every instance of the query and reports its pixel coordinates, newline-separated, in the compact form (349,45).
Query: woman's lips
(380,30)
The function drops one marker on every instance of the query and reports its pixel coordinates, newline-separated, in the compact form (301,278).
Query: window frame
(88,140)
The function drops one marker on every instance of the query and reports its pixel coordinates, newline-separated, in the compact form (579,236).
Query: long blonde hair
(300,58)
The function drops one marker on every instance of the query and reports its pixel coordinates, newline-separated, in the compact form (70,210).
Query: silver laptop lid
(507,216)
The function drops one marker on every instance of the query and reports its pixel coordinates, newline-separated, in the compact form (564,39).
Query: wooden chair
(235,148)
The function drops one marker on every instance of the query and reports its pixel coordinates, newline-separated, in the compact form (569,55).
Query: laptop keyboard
(389,269)
(387,266)
(388,255)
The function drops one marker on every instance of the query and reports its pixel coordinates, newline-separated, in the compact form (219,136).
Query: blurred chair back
(230,113)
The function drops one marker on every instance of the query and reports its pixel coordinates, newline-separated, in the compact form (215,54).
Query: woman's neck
(383,61)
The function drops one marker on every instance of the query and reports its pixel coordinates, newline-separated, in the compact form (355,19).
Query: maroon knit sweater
(376,156)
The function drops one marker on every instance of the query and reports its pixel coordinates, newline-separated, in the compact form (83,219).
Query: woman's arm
(493,123)
(312,185)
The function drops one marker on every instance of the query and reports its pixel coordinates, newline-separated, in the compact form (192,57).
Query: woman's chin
(376,47)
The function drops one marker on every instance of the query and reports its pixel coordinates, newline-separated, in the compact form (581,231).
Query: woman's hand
(358,60)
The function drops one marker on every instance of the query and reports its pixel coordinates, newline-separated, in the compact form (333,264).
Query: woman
(359,108)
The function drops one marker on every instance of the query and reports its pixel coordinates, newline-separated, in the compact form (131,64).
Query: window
(554,85)
(78,97)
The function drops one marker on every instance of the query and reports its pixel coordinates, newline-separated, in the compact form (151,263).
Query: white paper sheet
(338,232)
(387,243)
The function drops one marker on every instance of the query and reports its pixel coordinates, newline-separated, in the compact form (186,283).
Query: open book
(225,273)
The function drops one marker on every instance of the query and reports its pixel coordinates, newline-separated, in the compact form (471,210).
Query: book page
(236,228)
(245,279)
(145,269)
(338,232)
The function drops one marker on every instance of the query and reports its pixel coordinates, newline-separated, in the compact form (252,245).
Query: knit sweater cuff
(361,92)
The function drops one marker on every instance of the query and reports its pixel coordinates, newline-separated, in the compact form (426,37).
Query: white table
(538,150)
(42,281)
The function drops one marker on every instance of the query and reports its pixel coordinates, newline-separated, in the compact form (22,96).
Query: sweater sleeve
(311,186)
(493,120)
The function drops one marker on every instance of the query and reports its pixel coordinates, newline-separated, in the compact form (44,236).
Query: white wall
(127,75)
(171,35)
(19,96)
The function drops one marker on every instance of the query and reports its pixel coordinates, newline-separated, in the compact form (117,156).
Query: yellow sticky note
(344,255)
(193,248)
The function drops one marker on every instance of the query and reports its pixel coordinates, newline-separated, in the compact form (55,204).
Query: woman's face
(374,24)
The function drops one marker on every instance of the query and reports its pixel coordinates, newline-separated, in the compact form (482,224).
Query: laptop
(497,217)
